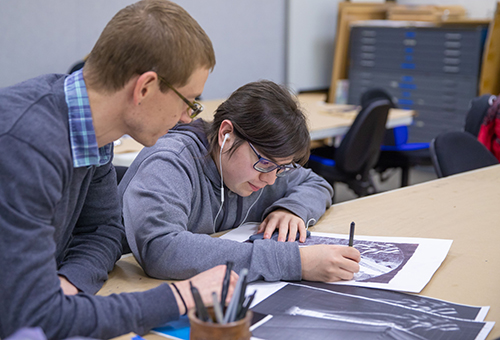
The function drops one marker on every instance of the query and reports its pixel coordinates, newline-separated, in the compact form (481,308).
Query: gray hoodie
(171,196)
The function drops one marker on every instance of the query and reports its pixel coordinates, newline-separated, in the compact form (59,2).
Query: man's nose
(185,117)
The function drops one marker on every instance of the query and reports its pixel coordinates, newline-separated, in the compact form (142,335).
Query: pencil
(219,316)
(225,284)
(351,235)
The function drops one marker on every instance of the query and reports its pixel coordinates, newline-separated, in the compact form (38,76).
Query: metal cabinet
(433,70)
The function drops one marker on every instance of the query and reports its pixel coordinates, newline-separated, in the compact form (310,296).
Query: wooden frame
(347,13)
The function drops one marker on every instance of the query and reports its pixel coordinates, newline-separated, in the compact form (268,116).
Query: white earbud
(226,136)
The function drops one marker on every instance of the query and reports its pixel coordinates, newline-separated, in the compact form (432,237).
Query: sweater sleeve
(96,243)
(30,291)
(168,217)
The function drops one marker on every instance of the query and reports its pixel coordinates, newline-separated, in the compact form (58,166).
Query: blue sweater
(57,219)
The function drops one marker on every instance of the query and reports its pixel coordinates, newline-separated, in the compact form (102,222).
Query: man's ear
(145,85)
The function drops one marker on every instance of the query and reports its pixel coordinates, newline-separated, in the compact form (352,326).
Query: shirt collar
(81,129)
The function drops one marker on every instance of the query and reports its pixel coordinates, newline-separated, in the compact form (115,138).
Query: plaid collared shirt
(81,130)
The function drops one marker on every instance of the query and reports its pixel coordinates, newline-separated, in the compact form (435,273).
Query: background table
(325,121)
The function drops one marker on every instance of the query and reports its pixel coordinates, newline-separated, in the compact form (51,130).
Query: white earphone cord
(226,136)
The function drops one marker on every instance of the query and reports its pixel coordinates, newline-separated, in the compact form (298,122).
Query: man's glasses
(265,165)
(195,107)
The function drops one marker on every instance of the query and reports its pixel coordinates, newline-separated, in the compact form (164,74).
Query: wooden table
(325,121)
(464,208)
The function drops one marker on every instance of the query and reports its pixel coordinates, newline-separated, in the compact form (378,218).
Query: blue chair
(402,155)
(396,152)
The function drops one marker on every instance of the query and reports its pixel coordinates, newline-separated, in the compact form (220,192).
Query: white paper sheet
(397,263)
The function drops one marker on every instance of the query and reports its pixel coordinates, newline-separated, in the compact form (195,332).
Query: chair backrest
(375,93)
(458,151)
(395,136)
(478,108)
(359,150)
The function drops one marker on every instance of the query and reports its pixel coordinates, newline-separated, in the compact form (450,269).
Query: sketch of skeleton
(380,261)
(327,314)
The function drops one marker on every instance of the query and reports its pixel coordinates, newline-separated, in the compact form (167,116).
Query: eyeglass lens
(265,165)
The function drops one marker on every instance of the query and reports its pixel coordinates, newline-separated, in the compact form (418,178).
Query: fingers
(329,263)
(351,253)
(271,225)
(287,224)
(206,282)
(262,226)
(292,231)
(302,231)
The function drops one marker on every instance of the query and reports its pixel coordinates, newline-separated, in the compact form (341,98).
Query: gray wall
(248,38)
(49,36)
(287,41)
(311,27)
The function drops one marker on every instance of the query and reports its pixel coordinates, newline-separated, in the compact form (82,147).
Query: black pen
(201,311)
(225,284)
(246,305)
(351,235)
(241,299)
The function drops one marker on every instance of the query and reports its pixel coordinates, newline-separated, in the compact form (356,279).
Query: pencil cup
(200,330)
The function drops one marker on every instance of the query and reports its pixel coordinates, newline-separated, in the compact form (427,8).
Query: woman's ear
(225,132)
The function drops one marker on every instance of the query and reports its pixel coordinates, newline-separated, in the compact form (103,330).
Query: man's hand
(67,287)
(207,282)
(286,222)
(328,263)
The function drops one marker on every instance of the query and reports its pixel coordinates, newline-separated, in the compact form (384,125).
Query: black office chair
(358,152)
(478,108)
(396,152)
(458,151)
(120,172)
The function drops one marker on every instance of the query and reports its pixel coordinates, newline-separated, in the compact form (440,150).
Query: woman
(245,166)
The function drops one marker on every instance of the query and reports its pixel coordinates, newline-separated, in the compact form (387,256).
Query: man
(60,218)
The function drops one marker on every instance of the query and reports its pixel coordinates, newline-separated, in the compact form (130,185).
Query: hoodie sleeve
(165,199)
(301,186)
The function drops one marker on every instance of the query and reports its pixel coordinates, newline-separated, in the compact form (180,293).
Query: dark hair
(150,35)
(265,114)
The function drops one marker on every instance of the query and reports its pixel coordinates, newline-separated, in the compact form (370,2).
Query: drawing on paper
(380,261)
(303,312)
(397,263)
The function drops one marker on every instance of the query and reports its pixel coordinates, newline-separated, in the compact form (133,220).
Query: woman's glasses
(265,165)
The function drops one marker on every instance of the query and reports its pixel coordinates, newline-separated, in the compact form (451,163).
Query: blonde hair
(150,35)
